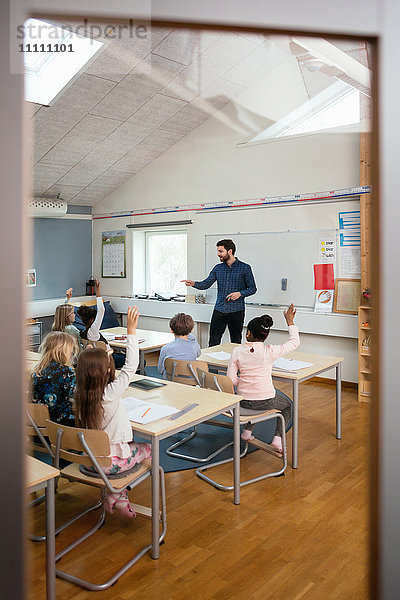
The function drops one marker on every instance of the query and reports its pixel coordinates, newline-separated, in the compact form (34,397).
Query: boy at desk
(184,346)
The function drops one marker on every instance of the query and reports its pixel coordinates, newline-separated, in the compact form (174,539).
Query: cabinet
(33,334)
(364,353)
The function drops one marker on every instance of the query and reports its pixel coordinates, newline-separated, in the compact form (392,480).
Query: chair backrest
(70,442)
(91,344)
(212,381)
(36,427)
(184,371)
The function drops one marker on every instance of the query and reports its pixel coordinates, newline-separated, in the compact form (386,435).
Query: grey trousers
(280,402)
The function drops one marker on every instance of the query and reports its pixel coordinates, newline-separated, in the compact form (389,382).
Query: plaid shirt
(236,278)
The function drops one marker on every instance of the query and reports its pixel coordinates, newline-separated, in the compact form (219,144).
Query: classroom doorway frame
(374,477)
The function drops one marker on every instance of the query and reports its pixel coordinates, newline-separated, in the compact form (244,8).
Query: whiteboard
(273,256)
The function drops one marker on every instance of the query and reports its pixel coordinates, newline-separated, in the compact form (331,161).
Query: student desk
(210,404)
(153,340)
(39,475)
(320,364)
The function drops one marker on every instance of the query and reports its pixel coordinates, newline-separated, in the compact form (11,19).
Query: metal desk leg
(155,498)
(236,454)
(50,542)
(295,436)
(141,362)
(339,401)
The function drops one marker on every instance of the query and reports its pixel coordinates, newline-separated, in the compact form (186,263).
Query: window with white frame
(166,261)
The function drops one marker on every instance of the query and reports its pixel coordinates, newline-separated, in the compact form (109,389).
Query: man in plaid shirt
(235,282)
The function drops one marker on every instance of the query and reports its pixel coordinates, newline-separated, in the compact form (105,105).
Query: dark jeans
(280,402)
(220,320)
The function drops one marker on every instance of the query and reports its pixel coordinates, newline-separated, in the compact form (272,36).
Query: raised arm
(119,385)
(94,329)
(293,341)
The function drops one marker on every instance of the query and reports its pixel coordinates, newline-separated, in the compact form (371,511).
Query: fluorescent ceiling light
(53,56)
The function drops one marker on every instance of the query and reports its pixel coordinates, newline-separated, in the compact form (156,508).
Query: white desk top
(210,403)
(153,340)
(319,362)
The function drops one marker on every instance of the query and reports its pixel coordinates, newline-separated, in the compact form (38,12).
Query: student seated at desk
(184,346)
(64,318)
(99,406)
(53,379)
(92,320)
(254,361)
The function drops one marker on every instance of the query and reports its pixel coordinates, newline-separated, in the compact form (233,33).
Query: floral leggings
(140,451)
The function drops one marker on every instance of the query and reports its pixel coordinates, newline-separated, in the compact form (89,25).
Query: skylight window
(336,106)
(53,56)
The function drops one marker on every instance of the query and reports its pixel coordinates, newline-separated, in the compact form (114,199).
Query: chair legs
(93,586)
(170,449)
(261,446)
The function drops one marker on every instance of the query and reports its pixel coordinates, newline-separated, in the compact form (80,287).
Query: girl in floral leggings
(99,406)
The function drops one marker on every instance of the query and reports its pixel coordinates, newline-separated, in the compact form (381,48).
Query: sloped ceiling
(140,96)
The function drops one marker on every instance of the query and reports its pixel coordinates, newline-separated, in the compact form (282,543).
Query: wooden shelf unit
(364,354)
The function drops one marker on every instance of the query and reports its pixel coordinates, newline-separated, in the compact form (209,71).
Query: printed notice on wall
(351,261)
(113,254)
(327,250)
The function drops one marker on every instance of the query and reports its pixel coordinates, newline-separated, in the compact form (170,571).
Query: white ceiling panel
(54,122)
(184,46)
(45,175)
(155,112)
(81,139)
(67,192)
(186,119)
(80,175)
(154,145)
(115,146)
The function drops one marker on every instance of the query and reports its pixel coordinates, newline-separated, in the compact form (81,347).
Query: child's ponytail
(259,327)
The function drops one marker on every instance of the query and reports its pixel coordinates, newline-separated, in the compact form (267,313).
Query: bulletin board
(113,254)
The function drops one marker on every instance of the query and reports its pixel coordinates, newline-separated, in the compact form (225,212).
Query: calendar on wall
(113,254)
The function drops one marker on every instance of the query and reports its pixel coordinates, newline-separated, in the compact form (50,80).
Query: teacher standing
(235,282)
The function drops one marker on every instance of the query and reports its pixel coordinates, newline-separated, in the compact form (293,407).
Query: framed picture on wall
(347,296)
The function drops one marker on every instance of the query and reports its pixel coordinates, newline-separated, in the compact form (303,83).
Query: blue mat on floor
(208,439)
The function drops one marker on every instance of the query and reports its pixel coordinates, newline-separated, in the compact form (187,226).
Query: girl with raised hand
(99,406)
(250,369)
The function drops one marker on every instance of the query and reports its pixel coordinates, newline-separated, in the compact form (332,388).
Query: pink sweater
(255,381)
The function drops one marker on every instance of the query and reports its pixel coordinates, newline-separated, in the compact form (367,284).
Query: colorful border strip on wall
(291,199)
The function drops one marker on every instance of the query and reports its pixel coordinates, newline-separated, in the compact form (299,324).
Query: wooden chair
(36,428)
(222,383)
(88,448)
(91,344)
(37,441)
(182,371)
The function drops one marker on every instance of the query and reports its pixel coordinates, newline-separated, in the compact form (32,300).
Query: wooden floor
(303,535)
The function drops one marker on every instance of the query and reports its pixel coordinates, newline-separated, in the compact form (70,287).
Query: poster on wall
(113,259)
(30,278)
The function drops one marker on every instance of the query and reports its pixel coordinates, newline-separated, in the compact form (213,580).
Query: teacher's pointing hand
(188,282)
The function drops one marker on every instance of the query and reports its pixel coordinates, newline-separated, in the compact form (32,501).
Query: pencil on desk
(146,412)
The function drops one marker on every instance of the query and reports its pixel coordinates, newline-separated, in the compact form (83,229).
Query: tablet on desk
(146,384)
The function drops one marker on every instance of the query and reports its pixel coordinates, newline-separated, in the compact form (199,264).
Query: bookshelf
(364,353)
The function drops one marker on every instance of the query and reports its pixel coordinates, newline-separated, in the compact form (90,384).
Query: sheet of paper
(144,412)
(290,364)
(108,336)
(324,278)
(219,355)
(323,301)
(351,261)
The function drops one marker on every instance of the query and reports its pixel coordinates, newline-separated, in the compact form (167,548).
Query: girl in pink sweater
(254,361)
